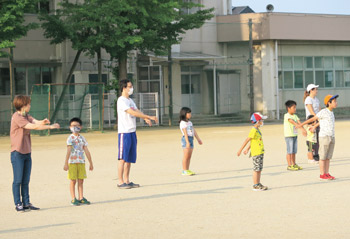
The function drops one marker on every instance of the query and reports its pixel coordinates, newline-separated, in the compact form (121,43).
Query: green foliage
(12,26)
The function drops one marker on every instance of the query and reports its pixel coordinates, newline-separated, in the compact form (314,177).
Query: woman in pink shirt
(21,147)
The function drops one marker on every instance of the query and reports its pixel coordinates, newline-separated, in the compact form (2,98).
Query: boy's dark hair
(123,84)
(183,112)
(76,119)
(309,117)
(329,102)
(290,103)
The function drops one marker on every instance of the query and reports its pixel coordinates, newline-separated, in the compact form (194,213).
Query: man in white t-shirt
(127,141)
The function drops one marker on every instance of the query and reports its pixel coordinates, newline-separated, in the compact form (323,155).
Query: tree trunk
(68,80)
(12,93)
(122,63)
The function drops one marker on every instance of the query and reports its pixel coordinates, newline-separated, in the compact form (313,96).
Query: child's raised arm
(303,129)
(308,121)
(244,144)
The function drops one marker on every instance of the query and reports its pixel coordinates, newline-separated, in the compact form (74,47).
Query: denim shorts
(183,141)
(292,145)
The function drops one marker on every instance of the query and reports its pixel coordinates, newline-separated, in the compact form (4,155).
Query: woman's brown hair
(21,100)
(306,94)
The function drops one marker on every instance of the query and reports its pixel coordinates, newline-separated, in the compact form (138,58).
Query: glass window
(20,81)
(5,81)
(154,73)
(319,62)
(288,79)
(319,78)
(308,62)
(195,84)
(287,62)
(328,76)
(143,86)
(346,62)
(33,77)
(338,62)
(298,79)
(47,75)
(185,69)
(72,87)
(328,62)
(154,86)
(298,62)
(280,80)
(347,78)
(143,73)
(185,84)
(309,77)
(93,78)
(339,79)
(279,62)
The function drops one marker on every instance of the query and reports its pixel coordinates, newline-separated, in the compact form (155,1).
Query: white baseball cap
(311,86)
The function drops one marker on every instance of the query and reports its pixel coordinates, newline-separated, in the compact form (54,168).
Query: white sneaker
(312,161)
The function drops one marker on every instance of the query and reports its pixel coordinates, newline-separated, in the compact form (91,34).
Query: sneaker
(330,177)
(84,201)
(75,202)
(312,161)
(193,173)
(324,177)
(187,173)
(123,186)
(30,207)
(19,208)
(297,166)
(259,187)
(292,168)
(133,185)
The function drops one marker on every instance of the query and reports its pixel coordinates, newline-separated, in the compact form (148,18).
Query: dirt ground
(216,203)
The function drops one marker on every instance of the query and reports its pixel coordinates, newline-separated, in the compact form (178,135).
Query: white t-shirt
(326,118)
(77,151)
(189,127)
(314,102)
(126,122)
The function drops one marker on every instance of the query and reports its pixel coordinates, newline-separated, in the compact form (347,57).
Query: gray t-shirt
(315,105)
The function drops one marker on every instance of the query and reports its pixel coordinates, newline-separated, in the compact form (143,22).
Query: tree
(12,28)
(12,20)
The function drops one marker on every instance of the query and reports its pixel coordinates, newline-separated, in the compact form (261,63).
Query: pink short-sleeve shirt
(20,137)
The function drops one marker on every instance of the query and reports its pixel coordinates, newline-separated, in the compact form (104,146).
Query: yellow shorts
(76,171)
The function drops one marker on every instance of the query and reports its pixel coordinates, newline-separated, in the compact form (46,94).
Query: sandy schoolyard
(216,203)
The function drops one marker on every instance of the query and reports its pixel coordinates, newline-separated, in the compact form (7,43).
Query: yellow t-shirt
(289,129)
(311,136)
(256,143)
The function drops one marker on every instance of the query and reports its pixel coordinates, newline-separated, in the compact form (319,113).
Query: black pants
(316,145)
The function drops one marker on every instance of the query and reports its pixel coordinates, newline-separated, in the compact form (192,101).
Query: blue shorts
(292,145)
(127,146)
(183,141)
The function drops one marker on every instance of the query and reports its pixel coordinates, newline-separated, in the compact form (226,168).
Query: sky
(298,6)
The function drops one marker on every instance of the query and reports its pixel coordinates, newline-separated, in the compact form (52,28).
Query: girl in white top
(188,133)
(312,107)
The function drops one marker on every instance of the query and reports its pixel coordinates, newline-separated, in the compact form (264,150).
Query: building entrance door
(229,96)
(191,88)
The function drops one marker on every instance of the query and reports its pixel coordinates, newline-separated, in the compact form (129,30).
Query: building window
(190,80)
(93,78)
(149,79)
(5,81)
(24,79)
(296,72)
(192,10)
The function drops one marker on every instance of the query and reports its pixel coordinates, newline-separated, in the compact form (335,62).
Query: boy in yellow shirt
(291,125)
(256,149)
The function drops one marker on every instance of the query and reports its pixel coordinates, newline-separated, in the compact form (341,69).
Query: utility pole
(251,64)
(170,88)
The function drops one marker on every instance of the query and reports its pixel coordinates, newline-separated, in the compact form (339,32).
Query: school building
(211,68)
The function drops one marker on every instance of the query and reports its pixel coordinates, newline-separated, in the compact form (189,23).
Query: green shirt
(256,142)
(289,129)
